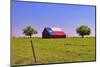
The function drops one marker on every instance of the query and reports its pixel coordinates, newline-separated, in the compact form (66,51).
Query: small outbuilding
(53,33)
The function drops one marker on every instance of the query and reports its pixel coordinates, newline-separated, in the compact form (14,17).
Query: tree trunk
(33,50)
(82,36)
(30,37)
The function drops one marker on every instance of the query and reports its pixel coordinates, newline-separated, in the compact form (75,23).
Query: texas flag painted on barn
(53,32)
(58,31)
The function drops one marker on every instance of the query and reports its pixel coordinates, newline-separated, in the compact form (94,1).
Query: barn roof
(55,31)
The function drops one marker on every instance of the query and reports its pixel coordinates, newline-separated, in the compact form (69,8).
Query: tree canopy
(83,30)
(29,31)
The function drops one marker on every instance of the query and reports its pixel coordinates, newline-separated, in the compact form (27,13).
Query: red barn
(53,33)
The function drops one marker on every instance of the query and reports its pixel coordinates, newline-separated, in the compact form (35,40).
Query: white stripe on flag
(56,29)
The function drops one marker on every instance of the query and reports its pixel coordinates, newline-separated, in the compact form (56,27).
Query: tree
(29,31)
(83,30)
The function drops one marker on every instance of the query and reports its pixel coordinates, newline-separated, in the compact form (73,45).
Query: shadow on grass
(75,44)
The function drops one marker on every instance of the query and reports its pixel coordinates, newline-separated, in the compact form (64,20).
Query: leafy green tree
(83,30)
(29,31)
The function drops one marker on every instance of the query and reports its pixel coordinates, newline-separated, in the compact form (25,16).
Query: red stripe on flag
(59,33)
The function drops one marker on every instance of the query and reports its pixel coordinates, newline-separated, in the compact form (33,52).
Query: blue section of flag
(50,31)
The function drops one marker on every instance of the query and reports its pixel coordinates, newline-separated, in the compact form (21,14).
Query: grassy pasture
(53,50)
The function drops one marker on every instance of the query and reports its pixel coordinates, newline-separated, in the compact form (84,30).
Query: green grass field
(52,50)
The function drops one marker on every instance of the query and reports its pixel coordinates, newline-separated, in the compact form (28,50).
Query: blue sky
(40,15)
